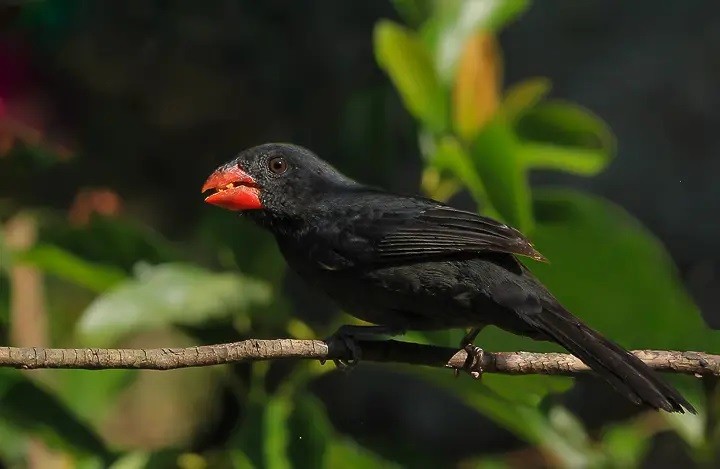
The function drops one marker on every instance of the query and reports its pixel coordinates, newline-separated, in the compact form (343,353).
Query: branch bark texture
(519,363)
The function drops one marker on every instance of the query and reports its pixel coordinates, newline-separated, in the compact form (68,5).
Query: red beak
(234,190)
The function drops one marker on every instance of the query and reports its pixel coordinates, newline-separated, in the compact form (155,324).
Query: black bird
(410,263)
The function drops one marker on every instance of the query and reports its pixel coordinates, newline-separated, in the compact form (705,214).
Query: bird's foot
(470,336)
(474,353)
(474,361)
(346,339)
(344,342)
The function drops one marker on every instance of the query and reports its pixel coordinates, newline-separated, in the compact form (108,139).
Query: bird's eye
(277,165)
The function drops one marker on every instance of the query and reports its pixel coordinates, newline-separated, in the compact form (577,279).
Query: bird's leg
(348,335)
(473,362)
(470,337)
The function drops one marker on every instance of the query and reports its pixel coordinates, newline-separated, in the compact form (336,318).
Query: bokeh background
(589,125)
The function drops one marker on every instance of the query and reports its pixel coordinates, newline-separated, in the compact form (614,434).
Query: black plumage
(410,263)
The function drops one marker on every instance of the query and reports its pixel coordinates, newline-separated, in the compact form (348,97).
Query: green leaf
(691,428)
(455,21)
(250,436)
(486,462)
(565,137)
(511,401)
(406,60)
(132,460)
(65,265)
(310,432)
(263,435)
(495,155)
(8,379)
(286,428)
(240,460)
(4,288)
(346,453)
(158,460)
(611,271)
(625,445)
(576,449)
(28,406)
(165,458)
(275,441)
(414,12)
(108,241)
(614,274)
(169,294)
(449,155)
(90,394)
(581,161)
(523,96)
(5,254)
(13,445)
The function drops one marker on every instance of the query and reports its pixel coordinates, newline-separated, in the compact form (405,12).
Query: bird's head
(275,177)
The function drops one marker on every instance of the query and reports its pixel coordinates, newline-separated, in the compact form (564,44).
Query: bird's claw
(346,339)
(346,342)
(473,362)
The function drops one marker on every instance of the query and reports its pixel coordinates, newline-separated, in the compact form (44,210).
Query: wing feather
(445,230)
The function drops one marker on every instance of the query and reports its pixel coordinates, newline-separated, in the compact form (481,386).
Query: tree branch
(518,363)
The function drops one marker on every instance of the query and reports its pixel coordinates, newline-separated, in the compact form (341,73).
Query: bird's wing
(442,230)
(384,228)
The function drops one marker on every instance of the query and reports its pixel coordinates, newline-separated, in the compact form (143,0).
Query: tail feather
(623,370)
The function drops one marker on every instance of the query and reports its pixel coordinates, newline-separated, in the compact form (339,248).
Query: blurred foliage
(27,406)
(474,137)
(56,261)
(168,294)
(602,263)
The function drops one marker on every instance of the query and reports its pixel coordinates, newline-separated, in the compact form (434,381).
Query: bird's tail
(623,370)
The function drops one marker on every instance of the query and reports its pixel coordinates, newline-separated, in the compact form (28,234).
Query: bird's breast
(426,295)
